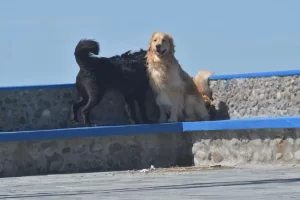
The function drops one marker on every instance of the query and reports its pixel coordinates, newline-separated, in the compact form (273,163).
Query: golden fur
(176,92)
(201,81)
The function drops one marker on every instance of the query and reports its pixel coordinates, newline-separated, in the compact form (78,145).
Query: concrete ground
(268,183)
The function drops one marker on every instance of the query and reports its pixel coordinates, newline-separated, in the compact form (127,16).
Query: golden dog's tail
(202,82)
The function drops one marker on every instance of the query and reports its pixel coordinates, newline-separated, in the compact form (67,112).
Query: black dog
(126,73)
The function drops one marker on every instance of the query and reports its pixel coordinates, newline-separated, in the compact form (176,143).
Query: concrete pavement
(268,183)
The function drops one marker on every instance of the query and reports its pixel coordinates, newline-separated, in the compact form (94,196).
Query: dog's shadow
(222,113)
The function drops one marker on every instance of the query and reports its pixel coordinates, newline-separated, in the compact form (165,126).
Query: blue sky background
(38,38)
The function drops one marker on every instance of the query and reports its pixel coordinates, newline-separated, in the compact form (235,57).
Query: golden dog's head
(161,44)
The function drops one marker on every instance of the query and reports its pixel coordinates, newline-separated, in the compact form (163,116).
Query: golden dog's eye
(163,40)
(155,40)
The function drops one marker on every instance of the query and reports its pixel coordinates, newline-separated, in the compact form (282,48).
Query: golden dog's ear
(172,45)
(149,47)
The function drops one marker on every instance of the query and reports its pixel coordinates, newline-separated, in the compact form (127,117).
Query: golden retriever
(202,83)
(176,92)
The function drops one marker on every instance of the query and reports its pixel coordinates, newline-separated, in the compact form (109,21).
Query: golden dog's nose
(158,46)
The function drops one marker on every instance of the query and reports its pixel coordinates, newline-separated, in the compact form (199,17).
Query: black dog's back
(125,73)
(130,73)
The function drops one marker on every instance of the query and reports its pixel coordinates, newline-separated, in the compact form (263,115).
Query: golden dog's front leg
(176,108)
(164,105)
(162,115)
(173,114)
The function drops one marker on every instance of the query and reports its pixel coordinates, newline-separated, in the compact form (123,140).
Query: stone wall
(51,109)
(227,148)
(258,97)
(236,98)
(230,148)
(93,154)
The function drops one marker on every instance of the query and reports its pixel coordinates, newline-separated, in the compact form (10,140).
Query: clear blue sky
(226,36)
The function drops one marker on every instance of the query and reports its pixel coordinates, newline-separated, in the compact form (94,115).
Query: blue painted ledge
(215,77)
(256,75)
(242,124)
(38,87)
(238,124)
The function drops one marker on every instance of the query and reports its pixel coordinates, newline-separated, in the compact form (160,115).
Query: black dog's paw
(74,122)
(148,121)
(92,125)
(131,121)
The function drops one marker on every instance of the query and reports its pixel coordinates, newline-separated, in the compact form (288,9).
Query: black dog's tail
(83,50)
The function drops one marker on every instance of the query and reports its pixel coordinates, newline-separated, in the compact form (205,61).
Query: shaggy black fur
(126,74)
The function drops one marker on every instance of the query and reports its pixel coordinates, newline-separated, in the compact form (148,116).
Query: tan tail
(202,82)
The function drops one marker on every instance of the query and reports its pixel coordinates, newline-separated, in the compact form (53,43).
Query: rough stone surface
(51,109)
(257,97)
(94,154)
(230,148)
(297,155)
(237,98)
(217,157)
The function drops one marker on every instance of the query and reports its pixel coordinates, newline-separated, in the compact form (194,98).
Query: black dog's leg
(130,108)
(142,105)
(92,102)
(75,107)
